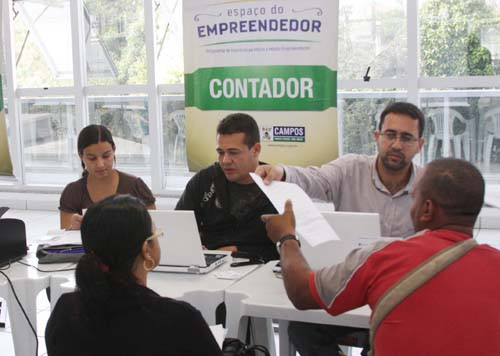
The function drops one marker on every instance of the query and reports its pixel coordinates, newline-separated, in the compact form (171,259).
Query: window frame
(408,88)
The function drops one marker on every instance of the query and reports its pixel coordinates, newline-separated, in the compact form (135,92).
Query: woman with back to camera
(100,179)
(112,311)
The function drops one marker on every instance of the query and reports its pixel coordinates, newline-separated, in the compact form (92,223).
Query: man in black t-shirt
(226,201)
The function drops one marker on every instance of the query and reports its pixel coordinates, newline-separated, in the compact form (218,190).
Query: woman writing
(96,149)
(113,312)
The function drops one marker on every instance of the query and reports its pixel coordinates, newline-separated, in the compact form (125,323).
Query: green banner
(287,87)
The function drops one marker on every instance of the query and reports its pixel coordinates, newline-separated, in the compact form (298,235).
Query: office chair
(492,131)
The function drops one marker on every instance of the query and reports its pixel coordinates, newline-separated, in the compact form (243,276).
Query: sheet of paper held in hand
(310,224)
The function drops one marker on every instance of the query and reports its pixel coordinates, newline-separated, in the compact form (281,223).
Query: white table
(262,295)
(203,291)
(28,283)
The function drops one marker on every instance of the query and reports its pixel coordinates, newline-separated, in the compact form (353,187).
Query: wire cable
(46,270)
(22,309)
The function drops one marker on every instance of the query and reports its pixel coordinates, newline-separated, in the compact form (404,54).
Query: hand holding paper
(310,224)
(278,226)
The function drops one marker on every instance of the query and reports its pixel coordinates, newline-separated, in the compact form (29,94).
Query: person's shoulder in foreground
(113,312)
(171,326)
(447,200)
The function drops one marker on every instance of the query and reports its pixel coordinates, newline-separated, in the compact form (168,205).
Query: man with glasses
(377,184)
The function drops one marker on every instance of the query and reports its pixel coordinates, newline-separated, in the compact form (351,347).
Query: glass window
(168,41)
(48,140)
(43,43)
(372,33)
(459,38)
(128,120)
(115,42)
(174,141)
(472,130)
(360,113)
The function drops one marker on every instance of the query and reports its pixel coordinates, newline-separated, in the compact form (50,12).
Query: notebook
(350,228)
(181,249)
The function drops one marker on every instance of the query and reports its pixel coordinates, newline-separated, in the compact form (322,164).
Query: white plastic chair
(492,130)
(437,118)
(178,117)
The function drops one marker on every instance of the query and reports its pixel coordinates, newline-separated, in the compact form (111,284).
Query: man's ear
(376,135)
(421,143)
(256,148)
(429,210)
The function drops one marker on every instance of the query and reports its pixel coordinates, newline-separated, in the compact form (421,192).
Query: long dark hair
(113,233)
(90,135)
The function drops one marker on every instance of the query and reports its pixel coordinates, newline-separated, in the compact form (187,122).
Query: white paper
(62,237)
(229,274)
(310,224)
(219,333)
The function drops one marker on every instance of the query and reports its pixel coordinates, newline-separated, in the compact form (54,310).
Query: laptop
(350,228)
(181,249)
(12,241)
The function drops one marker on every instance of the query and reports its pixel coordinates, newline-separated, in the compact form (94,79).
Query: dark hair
(455,185)
(113,233)
(404,108)
(92,134)
(239,122)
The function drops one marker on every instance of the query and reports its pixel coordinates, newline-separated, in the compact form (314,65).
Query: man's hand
(269,173)
(280,225)
(231,248)
(76,222)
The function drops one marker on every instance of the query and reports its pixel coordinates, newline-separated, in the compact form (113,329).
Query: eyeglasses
(404,138)
(158,233)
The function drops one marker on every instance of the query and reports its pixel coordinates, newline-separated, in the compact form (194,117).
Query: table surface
(257,292)
(262,294)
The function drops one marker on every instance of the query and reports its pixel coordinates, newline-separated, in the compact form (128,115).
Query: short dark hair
(457,186)
(240,122)
(403,108)
(113,232)
(91,135)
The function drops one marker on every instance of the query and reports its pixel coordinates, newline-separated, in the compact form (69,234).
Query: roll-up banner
(5,161)
(274,60)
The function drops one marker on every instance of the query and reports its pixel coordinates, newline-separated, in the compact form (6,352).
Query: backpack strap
(413,280)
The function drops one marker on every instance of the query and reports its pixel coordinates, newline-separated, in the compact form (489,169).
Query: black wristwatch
(286,238)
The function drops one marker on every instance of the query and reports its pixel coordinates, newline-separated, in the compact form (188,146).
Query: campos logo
(289,133)
(266,134)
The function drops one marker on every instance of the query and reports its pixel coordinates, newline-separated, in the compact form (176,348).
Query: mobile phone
(277,267)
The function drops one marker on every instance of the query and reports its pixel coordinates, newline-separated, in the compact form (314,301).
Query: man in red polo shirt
(455,313)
